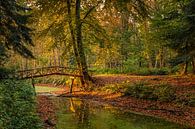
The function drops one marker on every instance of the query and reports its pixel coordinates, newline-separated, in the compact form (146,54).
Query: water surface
(74,113)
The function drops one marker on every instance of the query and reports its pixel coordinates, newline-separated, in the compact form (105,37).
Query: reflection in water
(84,114)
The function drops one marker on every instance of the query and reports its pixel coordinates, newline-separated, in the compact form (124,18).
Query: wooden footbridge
(41,72)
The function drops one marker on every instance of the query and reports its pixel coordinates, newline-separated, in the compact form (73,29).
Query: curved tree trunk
(76,34)
(84,69)
(71,27)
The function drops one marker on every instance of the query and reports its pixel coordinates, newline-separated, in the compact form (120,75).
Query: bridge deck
(44,71)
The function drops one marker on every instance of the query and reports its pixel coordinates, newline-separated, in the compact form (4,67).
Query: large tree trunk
(77,42)
(71,27)
(84,69)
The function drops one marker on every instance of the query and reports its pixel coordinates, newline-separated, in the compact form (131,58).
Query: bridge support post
(33,84)
(72,83)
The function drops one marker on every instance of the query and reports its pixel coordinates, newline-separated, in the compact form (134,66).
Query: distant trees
(124,35)
(174,23)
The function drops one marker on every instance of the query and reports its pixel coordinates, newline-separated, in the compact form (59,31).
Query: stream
(74,113)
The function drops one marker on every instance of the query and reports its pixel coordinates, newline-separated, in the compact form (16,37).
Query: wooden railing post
(33,84)
(72,83)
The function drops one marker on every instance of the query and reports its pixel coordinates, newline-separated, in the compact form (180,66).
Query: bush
(105,71)
(154,71)
(114,88)
(17,106)
(186,99)
(164,92)
(140,90)
(132,70)
(4,72)
(161,92)
(143,91)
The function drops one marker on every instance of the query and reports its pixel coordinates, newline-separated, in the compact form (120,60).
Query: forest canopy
(105,36)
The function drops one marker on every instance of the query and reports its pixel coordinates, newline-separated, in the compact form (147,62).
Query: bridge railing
(44,71)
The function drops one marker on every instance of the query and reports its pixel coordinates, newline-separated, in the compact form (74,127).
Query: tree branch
(90,10)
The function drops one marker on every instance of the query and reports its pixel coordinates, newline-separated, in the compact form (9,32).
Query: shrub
(4,72)
(143,91)
(140,90)
(164,92)
(114,88)
(192,101)
(105,71)
(186,99)
(132,70)
(153,71)
(17,106)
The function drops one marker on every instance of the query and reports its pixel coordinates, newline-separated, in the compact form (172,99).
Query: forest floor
(171,111)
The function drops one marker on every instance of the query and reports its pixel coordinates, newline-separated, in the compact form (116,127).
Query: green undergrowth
(158,92)
(186,99)
(55,80)
(153,71)
(135,71)
(114,88)
(5,71)
(17,106)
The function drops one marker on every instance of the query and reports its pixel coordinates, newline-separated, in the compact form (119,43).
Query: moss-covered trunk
(76,35)
(71,27)
(84,69)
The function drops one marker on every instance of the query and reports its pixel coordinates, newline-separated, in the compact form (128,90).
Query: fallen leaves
(46,110)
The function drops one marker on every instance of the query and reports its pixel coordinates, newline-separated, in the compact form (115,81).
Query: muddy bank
(46,110)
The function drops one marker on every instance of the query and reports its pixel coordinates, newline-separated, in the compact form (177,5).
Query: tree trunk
(156,63)
(124,43)
(77,43)
(193,65)
(185,69)
(71,27)
(162,58)
(84,69)
(150,63)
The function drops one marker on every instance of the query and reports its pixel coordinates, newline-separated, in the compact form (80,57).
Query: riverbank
(46,110)
(171,111)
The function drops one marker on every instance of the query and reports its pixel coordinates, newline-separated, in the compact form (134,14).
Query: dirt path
(184,115)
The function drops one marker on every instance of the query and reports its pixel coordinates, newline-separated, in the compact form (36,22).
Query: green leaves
(14,34)
(17,106)
(175,25)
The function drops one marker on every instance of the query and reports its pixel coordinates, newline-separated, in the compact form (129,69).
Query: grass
(41,89)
